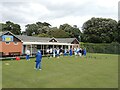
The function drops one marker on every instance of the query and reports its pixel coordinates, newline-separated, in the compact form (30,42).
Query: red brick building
(10,44)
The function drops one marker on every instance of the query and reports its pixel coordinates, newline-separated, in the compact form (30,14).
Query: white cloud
(56,12)
(119,10)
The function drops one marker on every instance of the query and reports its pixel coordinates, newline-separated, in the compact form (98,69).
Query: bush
(112,48)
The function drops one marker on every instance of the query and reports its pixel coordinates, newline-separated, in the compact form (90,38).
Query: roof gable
(68,40)
(11,34)
(53,40)
(75,41)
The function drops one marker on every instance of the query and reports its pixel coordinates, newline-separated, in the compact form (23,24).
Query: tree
(51,31)
(43,27)
(1,25)
(58,33)
(31,29)
(37,28)
(100,30)
(12,27)
(72,31)
(118,28)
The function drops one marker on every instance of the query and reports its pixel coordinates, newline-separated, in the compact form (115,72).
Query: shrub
(111,48)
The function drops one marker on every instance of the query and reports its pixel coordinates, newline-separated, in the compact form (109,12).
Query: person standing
(51,52)
(71,52)
(48,52)
(75,51)
(80,52)
(27,55)
(78,49)
(65,52)
(38,60)
(58,52)
(85,52)
(61,51)
(54,50)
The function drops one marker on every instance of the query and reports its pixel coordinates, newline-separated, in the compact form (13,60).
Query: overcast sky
(56,12)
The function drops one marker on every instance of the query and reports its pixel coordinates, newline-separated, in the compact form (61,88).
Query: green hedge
(112,48)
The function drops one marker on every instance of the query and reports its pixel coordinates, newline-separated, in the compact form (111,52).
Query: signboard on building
(7,38)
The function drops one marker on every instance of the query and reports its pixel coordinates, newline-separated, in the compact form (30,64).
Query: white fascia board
(45,43)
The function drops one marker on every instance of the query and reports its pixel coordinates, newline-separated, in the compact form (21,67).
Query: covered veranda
(34,46)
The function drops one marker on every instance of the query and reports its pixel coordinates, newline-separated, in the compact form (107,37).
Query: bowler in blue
(38,60)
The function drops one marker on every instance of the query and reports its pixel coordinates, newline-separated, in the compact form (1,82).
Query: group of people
(55,53)
(80,51)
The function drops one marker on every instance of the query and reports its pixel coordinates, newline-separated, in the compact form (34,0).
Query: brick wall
(11,47)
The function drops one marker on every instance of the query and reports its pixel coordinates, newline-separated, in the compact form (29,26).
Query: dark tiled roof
(25,38)
(65,40)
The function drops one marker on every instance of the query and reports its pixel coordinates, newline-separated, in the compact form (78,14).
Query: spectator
(27,55)
(54,50)
(58,52)
(65,52)
(51,52)
(85,52)
(48,52)
(70,52)
(80,52)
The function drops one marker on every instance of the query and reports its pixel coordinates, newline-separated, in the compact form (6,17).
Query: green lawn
(94,71)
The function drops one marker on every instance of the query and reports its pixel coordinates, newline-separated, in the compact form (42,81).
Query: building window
(16,43)
(7,43)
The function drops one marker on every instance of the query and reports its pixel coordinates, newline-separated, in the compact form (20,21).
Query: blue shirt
(38,57)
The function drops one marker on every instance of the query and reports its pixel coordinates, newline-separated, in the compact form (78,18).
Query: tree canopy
(100,30)
(45,30)
(118,38)
(12,27)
